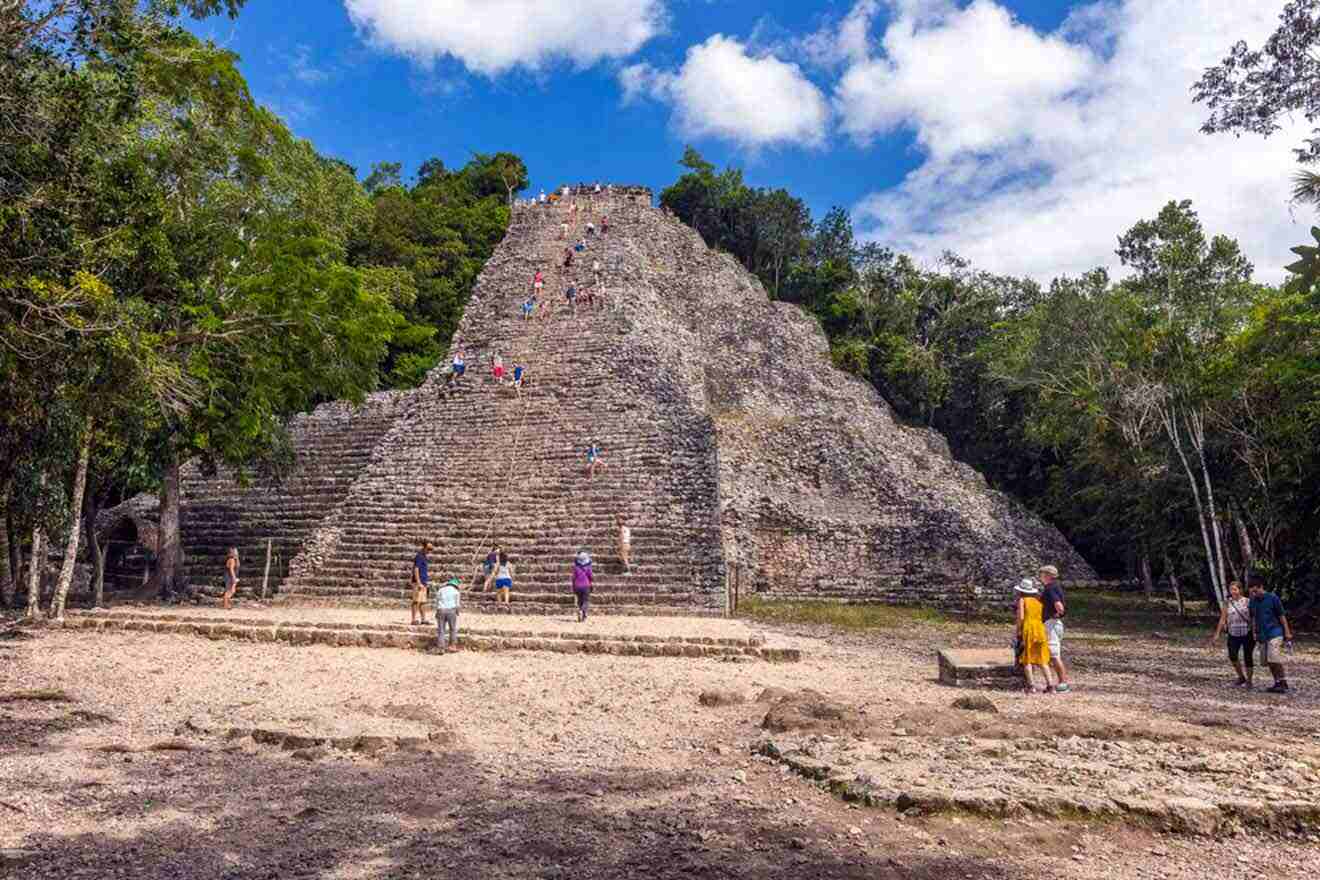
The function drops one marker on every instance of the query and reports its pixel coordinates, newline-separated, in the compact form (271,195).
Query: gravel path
(547,765)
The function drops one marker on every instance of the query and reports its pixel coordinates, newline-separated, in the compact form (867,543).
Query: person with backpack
(582,580)
(570,296)
(503,579)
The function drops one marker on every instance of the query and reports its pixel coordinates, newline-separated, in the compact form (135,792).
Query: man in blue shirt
(1273,633)
(1052,599)
(421,577)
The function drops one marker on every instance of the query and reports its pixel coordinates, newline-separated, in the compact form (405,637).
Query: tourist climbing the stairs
(625,542)
(595,459)
(568,257)
(447,600)
(420,579)
(529,308)
(604,224)
(581,245)
(572,215)
(563,229)
(519,371)
(595,272)
(591,229)
(570,297)
(497,368)
(503,580)
(457,368)
(488,567)
(582,580)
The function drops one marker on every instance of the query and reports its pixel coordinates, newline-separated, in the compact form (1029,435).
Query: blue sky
(1025,134)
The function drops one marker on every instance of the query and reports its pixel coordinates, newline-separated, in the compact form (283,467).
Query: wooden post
(266,575)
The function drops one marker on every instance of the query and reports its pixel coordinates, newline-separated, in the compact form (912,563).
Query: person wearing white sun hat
(1032,647)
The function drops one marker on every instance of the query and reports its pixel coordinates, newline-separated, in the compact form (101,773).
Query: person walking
(582,580)
(447,600)
(1235,617)
(625,542)
(503,580)
(1032,646)
(519,371)
(231,578)
(1273,632)
(1052,600)
(497,368)
(421,579)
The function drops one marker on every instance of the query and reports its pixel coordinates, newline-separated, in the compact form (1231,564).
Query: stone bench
(962,667)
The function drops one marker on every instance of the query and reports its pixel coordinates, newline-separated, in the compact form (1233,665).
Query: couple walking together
(1038,647)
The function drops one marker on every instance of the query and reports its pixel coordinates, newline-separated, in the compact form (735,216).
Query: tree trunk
(61,596)
(97,553)
(1169,415)
(15,555)
(1147,581)
(34,576)
(1177,590)
(7,573)
(169,550)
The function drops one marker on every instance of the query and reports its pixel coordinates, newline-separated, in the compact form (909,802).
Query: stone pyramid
(732,447)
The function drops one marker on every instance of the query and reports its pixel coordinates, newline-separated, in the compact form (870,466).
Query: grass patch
(853,617)
(38,695)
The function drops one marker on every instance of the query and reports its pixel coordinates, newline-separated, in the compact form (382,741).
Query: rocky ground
(144,755)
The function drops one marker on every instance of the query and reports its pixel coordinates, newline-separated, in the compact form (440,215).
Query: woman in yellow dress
(1033,647)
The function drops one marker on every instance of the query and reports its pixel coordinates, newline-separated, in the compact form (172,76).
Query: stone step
(419,639)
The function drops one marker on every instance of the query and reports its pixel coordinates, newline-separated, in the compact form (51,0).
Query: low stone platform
(522,605)
(632,638)
(979,666)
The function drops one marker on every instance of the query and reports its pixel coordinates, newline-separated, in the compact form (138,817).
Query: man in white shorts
(1052,598)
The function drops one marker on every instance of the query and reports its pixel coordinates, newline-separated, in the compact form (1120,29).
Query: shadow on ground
(215,814)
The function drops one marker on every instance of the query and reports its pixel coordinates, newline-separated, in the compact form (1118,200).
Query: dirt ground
(525,764)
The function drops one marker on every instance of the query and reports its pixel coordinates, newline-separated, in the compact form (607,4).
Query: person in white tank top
(625,543)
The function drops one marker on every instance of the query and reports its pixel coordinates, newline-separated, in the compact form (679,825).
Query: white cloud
(1038,149)
(494,36)
(724,92)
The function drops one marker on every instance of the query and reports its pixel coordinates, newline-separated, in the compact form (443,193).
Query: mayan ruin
(659,440)
(731,440)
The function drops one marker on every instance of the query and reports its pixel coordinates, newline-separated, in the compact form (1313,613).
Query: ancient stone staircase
(734,447)
(333,444)
(479,464)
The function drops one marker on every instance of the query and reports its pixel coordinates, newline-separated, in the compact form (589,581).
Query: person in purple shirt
(582,580)
(1051,596)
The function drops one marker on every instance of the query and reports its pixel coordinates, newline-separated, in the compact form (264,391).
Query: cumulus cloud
(494,36)
(723,91)
(1038,149)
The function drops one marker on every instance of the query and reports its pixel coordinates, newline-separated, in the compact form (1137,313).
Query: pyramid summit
(728,443)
